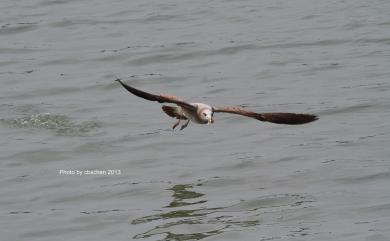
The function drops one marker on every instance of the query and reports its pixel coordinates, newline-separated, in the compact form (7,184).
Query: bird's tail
(173,111)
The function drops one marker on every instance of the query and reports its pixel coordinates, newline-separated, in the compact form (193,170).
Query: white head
(206,114)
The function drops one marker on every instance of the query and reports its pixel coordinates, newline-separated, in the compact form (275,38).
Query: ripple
(162,57)
(349,109)
(327,42)
(61,124)
(17,28)
(374,177)
(161,18)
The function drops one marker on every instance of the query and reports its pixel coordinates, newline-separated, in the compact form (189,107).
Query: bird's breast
(193,115)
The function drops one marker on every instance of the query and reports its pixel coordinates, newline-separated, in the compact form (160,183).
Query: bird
(201,113)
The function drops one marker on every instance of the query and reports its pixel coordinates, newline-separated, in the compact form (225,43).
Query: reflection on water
(201,222)
(180,193)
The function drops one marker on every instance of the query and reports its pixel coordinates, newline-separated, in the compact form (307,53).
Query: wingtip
(305,118)
(117,79)
(288,118)
(310,118)
(122,83)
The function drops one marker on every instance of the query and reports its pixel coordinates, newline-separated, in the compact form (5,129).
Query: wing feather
(173,112)
(159,98)
(278,118)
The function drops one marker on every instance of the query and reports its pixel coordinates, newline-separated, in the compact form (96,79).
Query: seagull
(201,113)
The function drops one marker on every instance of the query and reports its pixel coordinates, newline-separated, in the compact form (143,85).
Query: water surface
(237,179)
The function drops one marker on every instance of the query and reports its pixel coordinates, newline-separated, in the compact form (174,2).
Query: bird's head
(207,115)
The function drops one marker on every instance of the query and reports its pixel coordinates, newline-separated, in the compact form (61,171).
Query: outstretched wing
(278,118)
(159,98)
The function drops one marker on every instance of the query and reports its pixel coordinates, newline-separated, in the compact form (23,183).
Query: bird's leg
(176,124)
(185,125)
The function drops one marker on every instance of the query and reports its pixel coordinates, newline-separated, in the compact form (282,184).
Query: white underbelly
(191,116)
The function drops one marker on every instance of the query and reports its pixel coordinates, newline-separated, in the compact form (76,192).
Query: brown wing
(173,112)
(159,98)
(278,118)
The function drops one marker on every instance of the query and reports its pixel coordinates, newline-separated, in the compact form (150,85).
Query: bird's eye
(204,114)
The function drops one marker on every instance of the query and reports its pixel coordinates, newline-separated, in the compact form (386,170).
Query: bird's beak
(211,121)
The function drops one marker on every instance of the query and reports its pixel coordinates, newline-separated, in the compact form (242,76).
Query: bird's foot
(176,124)
(185,125)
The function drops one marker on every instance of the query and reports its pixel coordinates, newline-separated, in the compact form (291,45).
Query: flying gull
(203,114)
